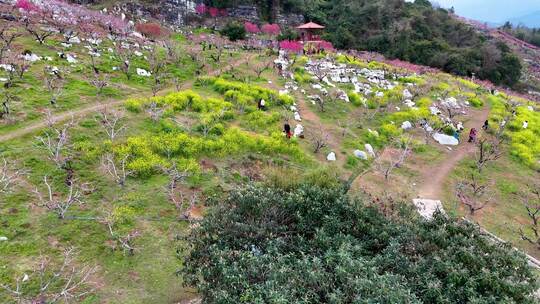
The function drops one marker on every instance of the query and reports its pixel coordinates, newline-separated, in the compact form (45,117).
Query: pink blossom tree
(25,5)
(291,46)
(251,28)
(213,11)
(271,29)
(325,45)
(201,9)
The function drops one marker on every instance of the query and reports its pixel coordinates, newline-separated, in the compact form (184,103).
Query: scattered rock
(3,239)
(427,208)
(331,157)
(31,57)
(299,130)
(406,125)
(444,139)
(361,154)
(370,150)
(71,59)
(143,72)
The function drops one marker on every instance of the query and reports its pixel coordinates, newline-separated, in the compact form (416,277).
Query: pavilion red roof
(310,25)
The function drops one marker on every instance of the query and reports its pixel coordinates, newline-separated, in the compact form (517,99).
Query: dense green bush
(476,102)
(234,31)
(315,245)
(356,99)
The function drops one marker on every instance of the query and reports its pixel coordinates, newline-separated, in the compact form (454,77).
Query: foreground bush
(314,245)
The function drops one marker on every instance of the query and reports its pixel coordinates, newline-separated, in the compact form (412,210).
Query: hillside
(147,163)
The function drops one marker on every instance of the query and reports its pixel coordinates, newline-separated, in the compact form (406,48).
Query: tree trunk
(274,10)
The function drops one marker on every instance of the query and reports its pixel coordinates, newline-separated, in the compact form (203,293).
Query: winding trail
(434,178)
(94,107)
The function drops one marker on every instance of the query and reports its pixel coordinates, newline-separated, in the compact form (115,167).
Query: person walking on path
(472,135)
(287,130)
(486,125)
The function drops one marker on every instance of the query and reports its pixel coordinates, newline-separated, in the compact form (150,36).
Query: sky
(492,10)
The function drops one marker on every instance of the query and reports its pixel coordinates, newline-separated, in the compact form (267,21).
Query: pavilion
(310,32)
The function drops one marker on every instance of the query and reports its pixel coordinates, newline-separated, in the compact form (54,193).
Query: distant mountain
(529,20)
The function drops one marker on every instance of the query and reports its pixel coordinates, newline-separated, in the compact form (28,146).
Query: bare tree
(319,71)
(155,111)
(39,32)
(123,241)
(7,36)
(111,121)
(7,100)
(100,81)
(209,121)
(487,151)
(345,126)
(56,202)
(218,44)
(19,64)
(69,35)
(177,83)
(157,66)
(450,110)
(55,140)
(54,83)
(182,205)
(66,282)
(197,56)
(472,194)
(125,54)
(173,50)
(116,167)
(11,72)
(395,160)
(260,67)
(531,202)
(319,138)
(8,176)
(321,102)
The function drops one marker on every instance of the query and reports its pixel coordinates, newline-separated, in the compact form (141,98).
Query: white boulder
(331,157)
(406,125)
(3,238)
(407,94)
(143,72)
(446,140)
(71,59)
(299,130)
(427,208)
(31,57)
(370,150)
(361,154)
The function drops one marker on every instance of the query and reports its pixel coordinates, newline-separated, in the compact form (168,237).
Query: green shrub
(134,105)
(355,99)
(316,244)
(234,31)
(476,102)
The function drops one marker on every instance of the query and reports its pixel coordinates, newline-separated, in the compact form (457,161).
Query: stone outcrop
(182,12)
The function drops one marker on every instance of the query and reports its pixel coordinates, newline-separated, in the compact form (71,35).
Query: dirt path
(92,108)
(434,178)
(314,121)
